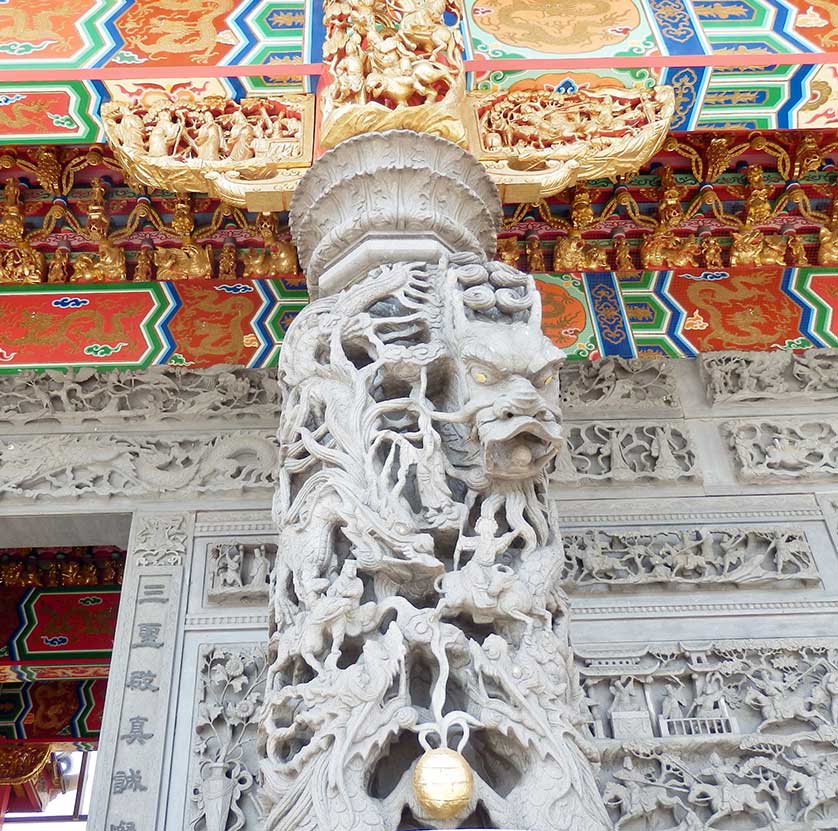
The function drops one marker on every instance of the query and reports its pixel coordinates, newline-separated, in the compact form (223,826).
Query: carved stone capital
(383,197)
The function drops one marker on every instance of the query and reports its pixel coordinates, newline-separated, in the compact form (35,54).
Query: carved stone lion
(416,599)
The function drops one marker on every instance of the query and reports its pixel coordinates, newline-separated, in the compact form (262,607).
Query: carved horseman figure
(416,600)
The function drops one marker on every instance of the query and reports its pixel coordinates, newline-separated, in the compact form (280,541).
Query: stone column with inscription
(420,672)
(135,751)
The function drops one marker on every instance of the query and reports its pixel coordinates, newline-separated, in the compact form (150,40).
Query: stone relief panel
(598,560)
(224,757)
(779,687)
(625,383)
(239,572)
(765,449)
(622,453)
(161,540)
(748,377)
(233,394)
(91,464)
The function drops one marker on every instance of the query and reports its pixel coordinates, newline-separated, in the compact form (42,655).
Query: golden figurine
(750,247)
(183,219)
(711,252)
(828,247)
(508,251)
(68,573)
(809,157)
(797,251)
(572,253)
(670,212)
(622,255)
(581,210)
(757,206)
(662,249)
(59,266)
(98,223)
(143,268)
(191,262)
(12,225)
(48,171)
(11,574)
(277,259)
(227,261)
(535,256)
(108,265)
(717,158)
(22,264)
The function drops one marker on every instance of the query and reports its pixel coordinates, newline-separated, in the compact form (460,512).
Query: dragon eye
(546,380)
(479,376)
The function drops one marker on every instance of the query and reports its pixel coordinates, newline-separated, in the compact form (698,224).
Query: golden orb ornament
(443,783)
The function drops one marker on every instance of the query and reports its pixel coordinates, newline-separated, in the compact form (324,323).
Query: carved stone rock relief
(712,689)
(628,384)
(160,540)
(621,452)
(783,448)
(764,376)
(234,394)
(419,576)
(92,464)
(634,558)
(224,761)
(239,572)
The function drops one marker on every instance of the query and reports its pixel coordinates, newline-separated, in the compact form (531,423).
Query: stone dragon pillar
(420,669)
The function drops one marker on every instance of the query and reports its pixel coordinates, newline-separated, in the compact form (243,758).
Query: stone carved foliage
(232,685)
(84,396)
(627,383)
(419,577)
(760,556)
(759,376)
(160,540)
(784,448)
(238,572)
(605,452)
(62,466)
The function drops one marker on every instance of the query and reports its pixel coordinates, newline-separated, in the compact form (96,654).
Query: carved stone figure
(238,572)
(413,514)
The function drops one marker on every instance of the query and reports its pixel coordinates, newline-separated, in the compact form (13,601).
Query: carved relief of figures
(584,134)
(22,263)
(751,247)
(176,146)
(663,249)
(614,452)
(420,557)
(785,448)
(405,73)
(699,556)
(107,265)
(279,258)
(232,686)
(764,688)
(630,383)
(757,376)
(190,262)
(234,394)
(239,571)
(572,253)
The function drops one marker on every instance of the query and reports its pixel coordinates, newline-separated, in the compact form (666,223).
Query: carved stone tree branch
(419,628)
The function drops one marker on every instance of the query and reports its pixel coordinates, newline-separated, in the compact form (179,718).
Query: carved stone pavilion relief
(418,581)
(727,735)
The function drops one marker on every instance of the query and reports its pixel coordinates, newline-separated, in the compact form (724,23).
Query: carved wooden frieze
(635,558)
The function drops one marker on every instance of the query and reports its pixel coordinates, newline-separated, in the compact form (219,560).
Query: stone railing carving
(732,377)
(626,452)
(239,572)
(783,448)
(93,464)
(232,394)
(231,692)
(627,384)
(634,558)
